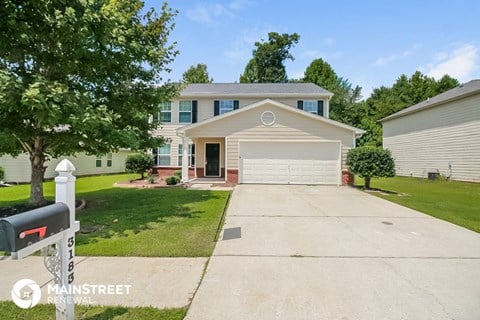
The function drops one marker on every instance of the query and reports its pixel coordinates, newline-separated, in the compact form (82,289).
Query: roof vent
(267,118)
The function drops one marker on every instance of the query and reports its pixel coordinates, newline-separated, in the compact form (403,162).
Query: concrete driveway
(315,252)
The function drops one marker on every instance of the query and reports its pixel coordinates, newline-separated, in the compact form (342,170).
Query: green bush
(2,173)
(178,173)
(370,162)
(172,180)
(138,163)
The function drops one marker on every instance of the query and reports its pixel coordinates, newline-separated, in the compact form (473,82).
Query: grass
(163,222)
(8,310)
(453,201)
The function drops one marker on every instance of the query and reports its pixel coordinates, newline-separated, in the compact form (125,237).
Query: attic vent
(267,118)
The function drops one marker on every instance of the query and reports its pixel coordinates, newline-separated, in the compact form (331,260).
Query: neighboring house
(18,169)
(254,133)
(440,135)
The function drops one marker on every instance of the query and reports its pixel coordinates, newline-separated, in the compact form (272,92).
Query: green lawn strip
(453,201)
(8,310)
(171,222)
(168,222)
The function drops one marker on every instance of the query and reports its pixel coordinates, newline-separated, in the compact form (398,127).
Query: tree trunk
(367,183)
(37,161)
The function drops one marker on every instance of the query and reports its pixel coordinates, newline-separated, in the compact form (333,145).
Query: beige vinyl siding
(205,105)
(445,138)
(18,169)
(169,133)
(288,126)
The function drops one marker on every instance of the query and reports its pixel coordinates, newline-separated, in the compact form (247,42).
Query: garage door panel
(290,162)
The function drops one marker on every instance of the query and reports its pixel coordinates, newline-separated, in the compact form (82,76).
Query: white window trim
(169,154)
(314,102)
(162,111)
(180,154)
(224,108)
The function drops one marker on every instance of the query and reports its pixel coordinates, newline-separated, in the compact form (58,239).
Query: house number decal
(71,264)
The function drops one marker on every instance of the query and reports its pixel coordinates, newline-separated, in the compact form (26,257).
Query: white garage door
(288,162)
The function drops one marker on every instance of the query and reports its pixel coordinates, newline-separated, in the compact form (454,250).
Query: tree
(343,105)
(197,74)
(80,76)
(138,163)
(267,64)
(370,162)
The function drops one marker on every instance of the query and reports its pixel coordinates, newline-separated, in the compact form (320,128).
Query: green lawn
(8,310)
(171,222)
(453,201)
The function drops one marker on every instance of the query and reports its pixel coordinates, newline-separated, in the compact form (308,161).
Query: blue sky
(371,43)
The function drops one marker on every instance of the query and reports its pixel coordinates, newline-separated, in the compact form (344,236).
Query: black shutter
(216,108)
(235,104)
(320,108)
(300,104)
(194,111)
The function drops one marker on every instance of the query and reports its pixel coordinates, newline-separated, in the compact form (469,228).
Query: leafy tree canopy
(267,64)
(197,74)
(80,76)
(370,162)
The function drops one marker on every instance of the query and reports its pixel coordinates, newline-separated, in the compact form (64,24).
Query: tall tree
(197,74)
(80,76)
(343,105)
(267,64)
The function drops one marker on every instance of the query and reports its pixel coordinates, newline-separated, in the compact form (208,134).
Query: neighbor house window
(310,106)
(165,114)
(163,155)
(185,112)
(109,160)
(98,162)
(191,155)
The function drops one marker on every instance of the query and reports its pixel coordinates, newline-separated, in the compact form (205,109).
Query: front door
(212,159)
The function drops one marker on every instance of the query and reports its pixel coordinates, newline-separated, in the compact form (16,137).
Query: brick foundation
(347,178)
(168,171)
(232,175)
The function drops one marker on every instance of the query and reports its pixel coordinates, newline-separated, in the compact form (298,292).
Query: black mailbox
(23,229)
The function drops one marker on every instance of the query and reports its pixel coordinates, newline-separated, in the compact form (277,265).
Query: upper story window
(185,111)
(165,114)
(312,106)
(224,106)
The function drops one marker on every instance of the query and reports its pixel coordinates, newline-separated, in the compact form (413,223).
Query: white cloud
(240,50)
(329,41)
(459,64)
(208,13)
(381,61)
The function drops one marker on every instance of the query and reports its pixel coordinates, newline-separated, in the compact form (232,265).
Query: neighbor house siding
(18,169)
(445,138)
(288,126)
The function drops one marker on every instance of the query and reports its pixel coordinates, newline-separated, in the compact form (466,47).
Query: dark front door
(212,159)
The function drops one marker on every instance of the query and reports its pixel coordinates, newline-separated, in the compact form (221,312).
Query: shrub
(370,162)
(178,173)
(2,173)
(172,180)
(138,163)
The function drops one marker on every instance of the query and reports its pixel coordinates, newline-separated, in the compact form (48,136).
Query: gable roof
(264,90)
(233,113)
(462,91)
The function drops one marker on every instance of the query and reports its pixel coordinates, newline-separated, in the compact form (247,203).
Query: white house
(255,133)
(441,134)
(18,169)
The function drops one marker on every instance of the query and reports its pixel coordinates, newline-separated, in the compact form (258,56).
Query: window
(185,112)
(165,114)
(310,106)
(226,106)
(191,155)
(109,159)
(163,155)
(98,162)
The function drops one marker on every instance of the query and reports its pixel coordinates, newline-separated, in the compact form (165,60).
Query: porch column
(184,159)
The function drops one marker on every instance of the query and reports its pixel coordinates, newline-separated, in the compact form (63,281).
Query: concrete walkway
(157,282)
(312,252)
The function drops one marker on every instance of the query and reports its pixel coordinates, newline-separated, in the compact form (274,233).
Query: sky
(370,43)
